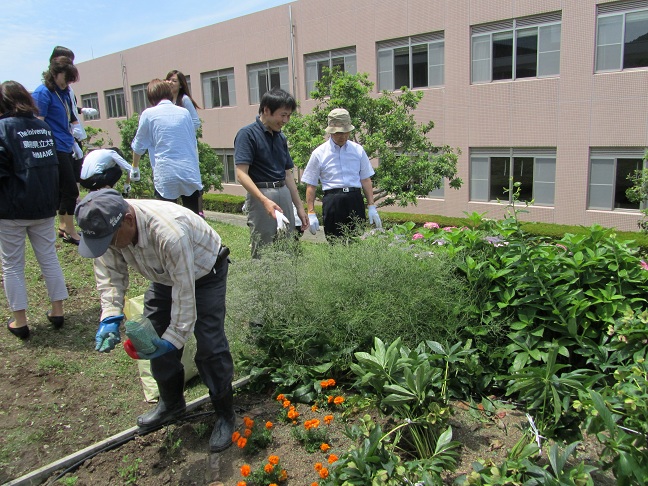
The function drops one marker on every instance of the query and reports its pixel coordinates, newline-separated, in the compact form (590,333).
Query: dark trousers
(193,202)
(342,212)
(213,358)
(68,190)
(109,177)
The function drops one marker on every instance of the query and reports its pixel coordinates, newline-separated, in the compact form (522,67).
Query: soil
(178,454)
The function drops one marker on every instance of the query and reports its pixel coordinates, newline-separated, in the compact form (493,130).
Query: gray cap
(339,121)
(99,215)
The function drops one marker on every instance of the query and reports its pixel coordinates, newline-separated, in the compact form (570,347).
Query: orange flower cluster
(269,425)
(325,447)
(311,424)
(274,460)
(246,470)
(339,400)
(327,383)
(239,440)
(332,458)
(241,483)
(293,413)
(328,419)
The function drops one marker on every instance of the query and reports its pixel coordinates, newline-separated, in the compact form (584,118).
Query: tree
(410,165)
(638,193)
(211,168)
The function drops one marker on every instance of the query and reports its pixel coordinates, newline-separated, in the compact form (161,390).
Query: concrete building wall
(572,113)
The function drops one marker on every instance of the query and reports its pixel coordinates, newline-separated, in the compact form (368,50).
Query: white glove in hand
(126,190)
(373,217)
(313,223)
(78,132)
(77,153)
(134,175)
(282,221)
(89,111)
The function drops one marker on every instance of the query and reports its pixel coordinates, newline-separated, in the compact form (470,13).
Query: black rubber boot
(221,437)
(170,407)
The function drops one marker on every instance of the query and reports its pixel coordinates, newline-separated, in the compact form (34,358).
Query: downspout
(292,51)
(125,86)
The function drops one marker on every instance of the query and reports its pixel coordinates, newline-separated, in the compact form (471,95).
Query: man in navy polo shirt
(264,169)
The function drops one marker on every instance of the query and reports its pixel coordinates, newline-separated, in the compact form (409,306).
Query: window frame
(115,108)
(597,178)
(137,91)
(226,154)
(313,60)
(481,41)
(206,79)
(608,12)
(543,174)
(253,72)
(387,66)
(91,100)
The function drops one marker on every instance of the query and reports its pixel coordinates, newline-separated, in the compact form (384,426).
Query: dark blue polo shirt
(51,106)
(265,151)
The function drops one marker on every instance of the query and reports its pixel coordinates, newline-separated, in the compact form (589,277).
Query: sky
(95,28)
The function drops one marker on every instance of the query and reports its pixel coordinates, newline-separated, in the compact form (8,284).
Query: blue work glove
(373,217)
(313,224)
(163,347)
(108,334)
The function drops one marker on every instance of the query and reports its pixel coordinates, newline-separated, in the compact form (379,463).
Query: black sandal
(56,321)
(19,332)
(68,238)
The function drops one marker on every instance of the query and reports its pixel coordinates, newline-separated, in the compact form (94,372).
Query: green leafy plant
(271,472)
(130,469)
(312,434)
(171,444)
(69,481)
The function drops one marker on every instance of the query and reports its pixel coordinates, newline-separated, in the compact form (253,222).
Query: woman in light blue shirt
(182,95)
(167,132)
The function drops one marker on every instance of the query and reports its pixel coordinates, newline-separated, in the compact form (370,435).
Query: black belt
(341,189)
(270,185)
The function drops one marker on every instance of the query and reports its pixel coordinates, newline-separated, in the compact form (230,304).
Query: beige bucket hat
(339,121)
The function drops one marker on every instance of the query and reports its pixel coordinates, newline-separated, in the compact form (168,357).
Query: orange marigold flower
(325,447)
(323,473)
(274,460)
(328,419)
(330,398)
(283,475)
(241,442)
(273,484)
(247,432)
(293,414)
(241,483)
(286,403)
(314,483)
(235,436)
(314,408)
(338,400)
(318,466)
(268,468)
(330,382)
(246,470)
(269,425)
(281,397)
(324,383)
(248,422)
(332,458)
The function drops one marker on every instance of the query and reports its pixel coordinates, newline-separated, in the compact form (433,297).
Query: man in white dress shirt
(343,168)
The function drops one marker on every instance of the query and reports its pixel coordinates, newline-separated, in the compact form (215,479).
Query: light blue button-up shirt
(337,166)
(167,132)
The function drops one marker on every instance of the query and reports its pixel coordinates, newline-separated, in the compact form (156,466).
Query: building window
(621,36)
(115,105)
(265,76)
(218,88)
(90,101)
(413,62)
(493,174)
(140,99)
(609,178)
(229,169)
(342,59)
(518,48)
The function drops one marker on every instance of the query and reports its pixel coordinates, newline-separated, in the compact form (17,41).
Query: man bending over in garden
(343,168)
(187,265)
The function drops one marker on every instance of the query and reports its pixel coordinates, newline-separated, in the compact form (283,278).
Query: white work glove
(78,132)
(77,153)
(281,220)
(313,223)
(135,175)
(89,111)
(126,190)
(373,217)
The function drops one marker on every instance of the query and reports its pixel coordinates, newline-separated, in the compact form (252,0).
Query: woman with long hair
(56,109)
(29,195)
(182,95)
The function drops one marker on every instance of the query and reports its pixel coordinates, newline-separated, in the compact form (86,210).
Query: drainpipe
(125,86)
(292,51)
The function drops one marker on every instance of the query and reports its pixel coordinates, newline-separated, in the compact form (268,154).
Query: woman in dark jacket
(29,198)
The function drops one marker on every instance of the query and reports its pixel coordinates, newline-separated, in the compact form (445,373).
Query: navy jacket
(29,169)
